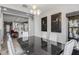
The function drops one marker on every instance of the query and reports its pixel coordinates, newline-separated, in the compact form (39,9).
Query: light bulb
(38,12)
(34,12)
(5,9)
(31,11)
(34,7)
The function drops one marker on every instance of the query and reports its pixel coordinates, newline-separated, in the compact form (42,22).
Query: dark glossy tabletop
(40,46)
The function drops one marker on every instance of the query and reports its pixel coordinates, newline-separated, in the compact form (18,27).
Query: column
(1,27)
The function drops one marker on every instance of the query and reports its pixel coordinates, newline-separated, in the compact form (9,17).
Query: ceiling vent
(24,5)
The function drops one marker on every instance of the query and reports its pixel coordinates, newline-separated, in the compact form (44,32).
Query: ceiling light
(5,9)
(38,12)
(31,11)
(35,10)
(34,6)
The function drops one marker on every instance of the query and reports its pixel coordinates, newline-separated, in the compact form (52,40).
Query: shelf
(73,27)
(72,38)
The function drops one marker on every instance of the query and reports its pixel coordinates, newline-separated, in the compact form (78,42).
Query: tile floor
(18,49)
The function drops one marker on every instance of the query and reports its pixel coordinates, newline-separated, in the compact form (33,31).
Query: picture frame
(44,24)
(56,22)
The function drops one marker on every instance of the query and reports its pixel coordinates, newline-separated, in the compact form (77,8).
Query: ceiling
(12,18)
(42,7)
(28,7)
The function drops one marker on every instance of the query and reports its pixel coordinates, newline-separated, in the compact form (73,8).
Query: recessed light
(5,9)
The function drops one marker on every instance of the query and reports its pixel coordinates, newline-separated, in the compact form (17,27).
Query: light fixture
(5,9)
(34,7)
(31,11)
(38,12)
(35,10)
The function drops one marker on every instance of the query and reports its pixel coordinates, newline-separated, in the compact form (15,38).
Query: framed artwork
(44,24)
(56,22)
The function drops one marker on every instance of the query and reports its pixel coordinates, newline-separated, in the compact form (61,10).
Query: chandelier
(35,10)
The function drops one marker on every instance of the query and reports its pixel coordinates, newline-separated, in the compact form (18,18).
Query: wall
(58,37)
(37,26)
(1,27)
(31,27)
